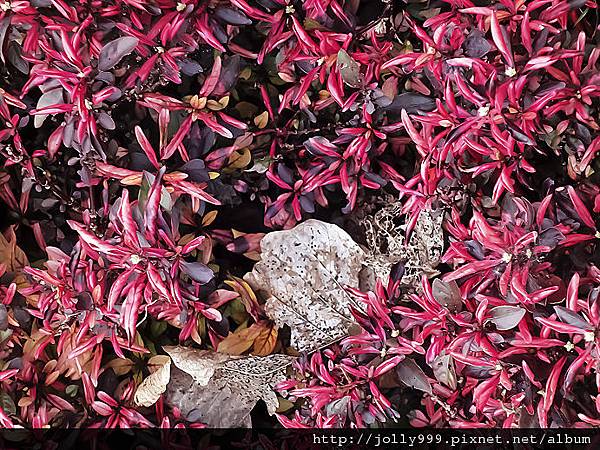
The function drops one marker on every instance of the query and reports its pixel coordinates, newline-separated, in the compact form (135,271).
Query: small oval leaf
(412,375)
(447,295)
(113,52)
(197,271)
(506,317)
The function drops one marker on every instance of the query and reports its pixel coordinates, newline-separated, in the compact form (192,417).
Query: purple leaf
(113,52)
(572,318)
(197,271)
(444,370)
(412,103)
(4,24)
(506,317)
(232,16)
(189,67)
(106,121)
(447,295)
(307,204)
(48,98)
(475,249)
(349,69)
(551,237)
(476,45)
(413,376)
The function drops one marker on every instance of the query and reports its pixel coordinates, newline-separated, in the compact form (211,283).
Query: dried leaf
(261,120)
(209,218)
(10,254)
(150,390)
(239,159)
(121,366)
(387,244)
(265,342)
(261,337)
(426,244)
(221,390)
(184,359)
(240,341)
(303,272)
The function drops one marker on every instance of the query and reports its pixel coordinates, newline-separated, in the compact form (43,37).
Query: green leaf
(157,328)
(71,390)
(7,404)
(349,69)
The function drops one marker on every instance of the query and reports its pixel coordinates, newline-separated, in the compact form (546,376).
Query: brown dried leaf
(121,366)
(261,337)
(209,218)
(10,254)
(241,340)
(266,341)
(239,159)
(303,273)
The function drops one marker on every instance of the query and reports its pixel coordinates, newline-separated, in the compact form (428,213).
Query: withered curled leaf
(216,389)
(150,390)
(386,239)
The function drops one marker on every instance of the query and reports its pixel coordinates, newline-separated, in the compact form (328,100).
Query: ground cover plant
(322,213)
